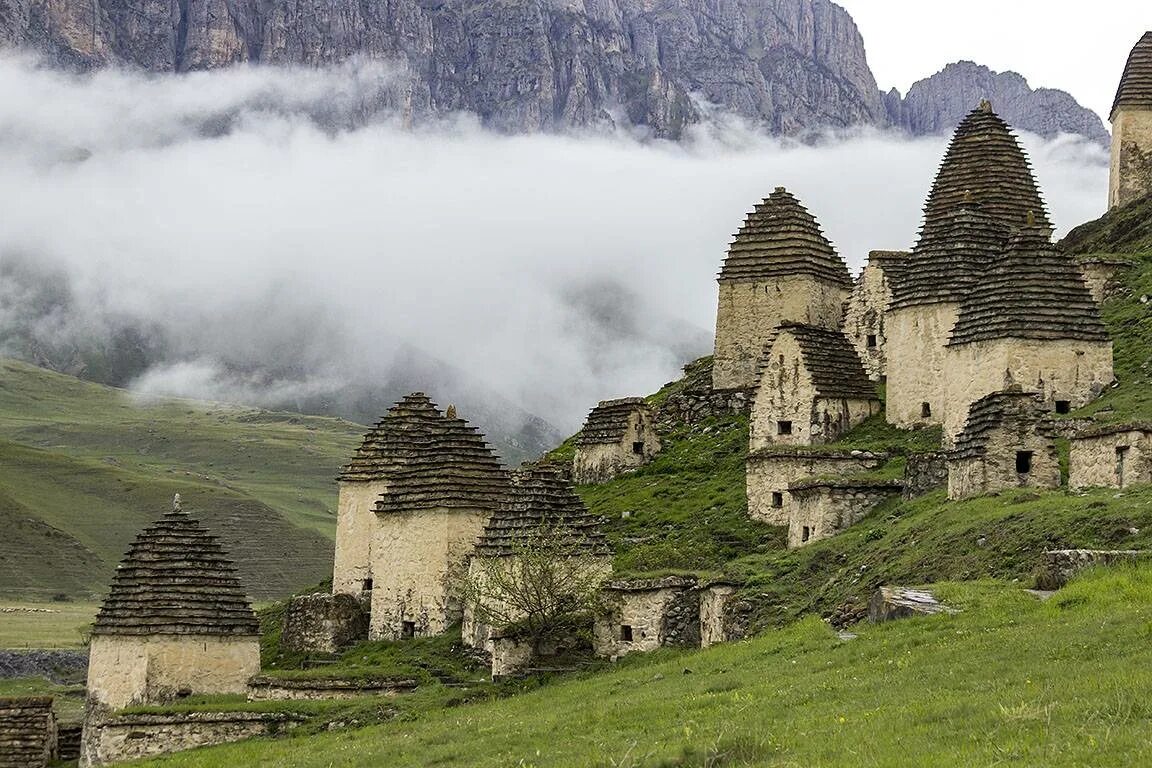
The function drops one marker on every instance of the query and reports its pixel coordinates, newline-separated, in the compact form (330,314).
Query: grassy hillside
(84,467)
(1009,680)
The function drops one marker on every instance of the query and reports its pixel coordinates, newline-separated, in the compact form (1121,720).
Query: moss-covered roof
(1033,291)
(781,238)
(176,580)
(607,423)
(1135,88)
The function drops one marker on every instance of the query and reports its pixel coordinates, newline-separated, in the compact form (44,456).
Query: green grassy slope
(1008,681)
(84,467)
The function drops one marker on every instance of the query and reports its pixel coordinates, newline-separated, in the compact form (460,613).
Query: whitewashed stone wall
(822,511)
(917,371)
(786,393)
(773,472)
(1131,176)
(749,313)
(355,524)
(125,671)
(420,559)
(1074,371)
(1114,459)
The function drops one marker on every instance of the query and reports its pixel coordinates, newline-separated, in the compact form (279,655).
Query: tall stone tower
(1132,128)
(983,193)
(780,268)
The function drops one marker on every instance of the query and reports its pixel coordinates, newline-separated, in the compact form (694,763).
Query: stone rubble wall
(27,732)
(57,665)
(865,317)
(115,739)
(996,471)
(124,670)
(1094,461)
(659,617)
(1104,277)
(750,311)
(828,510)
(774,472)
(324,623)
(1060,565)
(355,523)
(277,689)
(924,473)
(420,561)
(917,370)
(1131,176)
(714,625)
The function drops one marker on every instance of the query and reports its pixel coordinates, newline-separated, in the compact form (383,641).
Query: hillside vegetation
(84,467)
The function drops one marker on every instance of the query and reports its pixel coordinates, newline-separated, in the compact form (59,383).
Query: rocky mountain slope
(938,103)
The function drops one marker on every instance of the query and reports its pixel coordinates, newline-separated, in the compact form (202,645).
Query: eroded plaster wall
(1131,176)
(714,614)
(771,473)
(355,523)
(995,471)
(916,363)
(1115,460)
(864,321)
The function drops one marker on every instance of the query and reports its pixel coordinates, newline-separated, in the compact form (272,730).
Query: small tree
(541,580)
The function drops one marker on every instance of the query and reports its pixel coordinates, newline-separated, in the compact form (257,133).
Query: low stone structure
(822,508)
(772,471)
(1132,128)
(646,614)
(324,623)
(1111,456)
(619,435)
(780,268)
(924,473)
(811,389)
(715,624)
(133,737)
(1060,565)
(1103,275)
(27,732)
(864,319)
(890,603)
(263,688)
(1006,443)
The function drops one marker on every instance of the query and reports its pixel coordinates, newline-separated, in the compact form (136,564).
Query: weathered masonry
(1111,456)
(824,507)
(773,471)
(618,435)
(28,732)
(864,320)
(780,268)
(812,389)
(1132,128)
(1006,443)
(674,611)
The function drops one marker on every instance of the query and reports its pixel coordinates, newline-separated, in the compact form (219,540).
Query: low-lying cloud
(278,237)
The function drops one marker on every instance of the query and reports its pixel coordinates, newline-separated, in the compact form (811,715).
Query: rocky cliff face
(521,66)
(937,104)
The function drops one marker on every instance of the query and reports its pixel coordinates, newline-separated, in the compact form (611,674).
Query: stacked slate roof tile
(407,429)
(607,423)
(944,268)
(1013,410)
(1033,291)
(176,580)
(832,362)
(984,164)
(27,731)
(1136,84)
(781,238)
(542,505)
(442,464)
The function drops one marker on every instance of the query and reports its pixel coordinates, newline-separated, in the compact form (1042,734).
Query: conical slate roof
(542,503)
(984,164)
(831,361)
(1136,84)
(176,580)
(780,238)
(1012,410)
(405,430)
(1033,291)
(444,465)
(608,422)
(945,268)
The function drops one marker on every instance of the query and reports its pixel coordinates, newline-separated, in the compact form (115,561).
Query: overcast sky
(1077,47)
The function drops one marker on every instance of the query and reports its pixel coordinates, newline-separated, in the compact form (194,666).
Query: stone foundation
(1112,457)
(924,473)
(772,472)
(27,732)
(280,689)
(821,510)
(118,738)
(324,623)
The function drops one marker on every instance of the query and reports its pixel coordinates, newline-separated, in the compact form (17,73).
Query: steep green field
(1009,680)
(84,467)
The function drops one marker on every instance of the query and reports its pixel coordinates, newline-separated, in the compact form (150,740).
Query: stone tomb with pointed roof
(176,621)
(983,192)
(618,435)
(867,307)
(441,483)
(780,268)
(1007,442)
(1131,118)
(1032,323)
(812,389)
(542,514)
